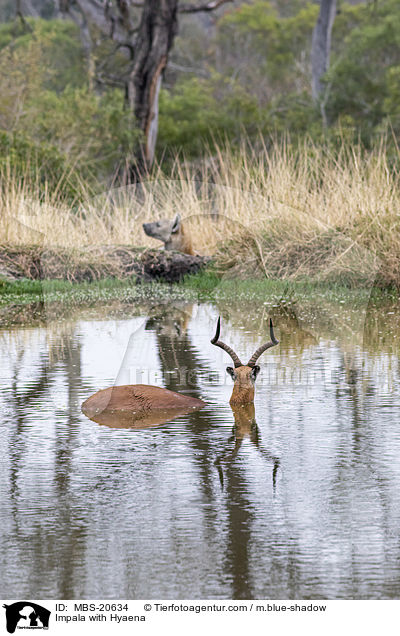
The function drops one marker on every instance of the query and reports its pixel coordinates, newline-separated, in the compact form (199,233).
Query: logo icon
(26,615)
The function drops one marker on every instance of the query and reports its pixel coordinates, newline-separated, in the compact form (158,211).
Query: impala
(142,400)
(244,375)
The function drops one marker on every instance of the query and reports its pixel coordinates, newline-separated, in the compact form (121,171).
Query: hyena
(171,233)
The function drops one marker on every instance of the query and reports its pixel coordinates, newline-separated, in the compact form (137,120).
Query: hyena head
(167,231)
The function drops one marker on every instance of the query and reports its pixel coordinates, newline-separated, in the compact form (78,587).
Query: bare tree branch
(20,15)
(26,7)
(79,17)
(208,6)
(109,80)
(125,17)
(97,13)
(116,48)
(188,69)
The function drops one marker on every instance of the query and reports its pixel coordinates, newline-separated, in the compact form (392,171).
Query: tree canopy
(242,72)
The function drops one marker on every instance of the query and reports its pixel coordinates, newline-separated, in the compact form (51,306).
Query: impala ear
(176,224)
(254,372)
(231,372)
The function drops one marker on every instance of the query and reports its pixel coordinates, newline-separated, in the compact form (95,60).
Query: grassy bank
(205,286)
(283,212)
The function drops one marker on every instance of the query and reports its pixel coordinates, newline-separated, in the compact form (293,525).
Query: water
(300,499)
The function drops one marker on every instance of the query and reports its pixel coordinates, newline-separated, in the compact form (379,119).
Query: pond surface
(300,499)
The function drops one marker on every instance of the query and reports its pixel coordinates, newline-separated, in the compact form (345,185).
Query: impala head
(244,375)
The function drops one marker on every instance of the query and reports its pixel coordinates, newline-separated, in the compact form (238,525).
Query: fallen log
(96,263)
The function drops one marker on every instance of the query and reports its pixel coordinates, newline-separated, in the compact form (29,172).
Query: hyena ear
(176,224)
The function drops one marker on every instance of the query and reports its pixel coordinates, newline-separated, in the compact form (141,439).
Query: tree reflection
(326,524)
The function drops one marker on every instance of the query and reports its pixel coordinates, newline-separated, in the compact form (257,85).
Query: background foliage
(244,73)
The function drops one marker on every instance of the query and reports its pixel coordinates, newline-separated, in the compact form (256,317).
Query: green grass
(26,291)
(41,287)
(205,286)
(29,291)
(209,286)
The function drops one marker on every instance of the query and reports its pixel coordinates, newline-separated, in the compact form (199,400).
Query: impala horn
(264,347)
(215,341)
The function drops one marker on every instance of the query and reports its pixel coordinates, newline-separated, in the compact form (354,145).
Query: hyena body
(171,233)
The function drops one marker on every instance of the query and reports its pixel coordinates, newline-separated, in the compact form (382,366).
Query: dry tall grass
(282,212)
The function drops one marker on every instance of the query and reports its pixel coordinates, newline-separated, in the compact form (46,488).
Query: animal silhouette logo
(26,615)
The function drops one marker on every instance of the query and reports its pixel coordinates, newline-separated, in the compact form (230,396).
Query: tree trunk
(149,47)
(321,45)
(26,8)
(157,30)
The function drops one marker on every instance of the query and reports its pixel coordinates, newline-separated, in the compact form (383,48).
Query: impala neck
(242,394)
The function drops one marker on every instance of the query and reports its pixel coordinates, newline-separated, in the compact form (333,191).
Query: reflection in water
(129,419)
(245,427)
(310,504)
